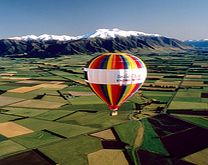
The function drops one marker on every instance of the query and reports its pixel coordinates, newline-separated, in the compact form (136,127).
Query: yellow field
(7,74)
(163,83)
(23,89)
(193,76)
(51,85)
(5,100)
(199,158)
(106,134)
(107,157)
(139,137)
(193,83)
(11,129)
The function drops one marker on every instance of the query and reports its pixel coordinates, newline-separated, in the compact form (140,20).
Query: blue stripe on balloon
(121,93)
(105,92)
(104,62)
(124,62)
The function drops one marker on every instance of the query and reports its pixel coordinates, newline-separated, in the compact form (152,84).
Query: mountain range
(102,40)
(203,43)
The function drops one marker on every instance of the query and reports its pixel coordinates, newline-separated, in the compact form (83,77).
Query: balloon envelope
(114,77)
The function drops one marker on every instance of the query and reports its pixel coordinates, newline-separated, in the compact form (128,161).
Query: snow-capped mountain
(45,37)
(100,33)
(106,33)
(101,40)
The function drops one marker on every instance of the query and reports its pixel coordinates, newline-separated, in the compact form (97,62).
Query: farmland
(49,114)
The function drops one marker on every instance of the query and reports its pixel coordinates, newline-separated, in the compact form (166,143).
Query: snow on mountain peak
(200,40)
(100,33)
(107,33)
(45,37)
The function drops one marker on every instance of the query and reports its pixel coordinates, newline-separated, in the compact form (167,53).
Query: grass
(74,120)
(86,100)
(70,130)
(151,141)
(187,99)
(5,117)
(127,132)
(38,104)
(8,147)
(164,99)
(7,87)
(188,93)
(38,124)
(53,114)
(36,139)
(187,105)
(25,112)
(75,150)
(28,95)
(157,93)
(99,120)
(57,98)
(77,89)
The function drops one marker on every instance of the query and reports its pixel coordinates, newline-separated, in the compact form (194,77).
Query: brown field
(106,157)
(55,82)
(11,129)
(7,74)
(81,93)
(16,78)
(53,86)
(23,89)
(106,134)
(139,137)
(147,84)
(155,76)
(80,82)
(193,83)
(199,158)
(38,104)
(30,82)
(4,100)
(164,83)
(193,76)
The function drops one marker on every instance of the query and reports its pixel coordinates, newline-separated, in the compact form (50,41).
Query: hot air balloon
(115,77)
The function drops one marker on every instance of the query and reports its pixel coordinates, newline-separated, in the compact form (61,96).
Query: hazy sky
(182,19)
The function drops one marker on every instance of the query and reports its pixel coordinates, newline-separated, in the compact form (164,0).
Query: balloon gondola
(115,77)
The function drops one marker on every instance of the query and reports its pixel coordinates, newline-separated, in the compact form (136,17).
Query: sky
(181,19)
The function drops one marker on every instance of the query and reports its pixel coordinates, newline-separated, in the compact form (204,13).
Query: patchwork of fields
(49,116)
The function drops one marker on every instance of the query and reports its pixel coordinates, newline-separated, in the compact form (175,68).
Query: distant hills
(102,40)
(198,43)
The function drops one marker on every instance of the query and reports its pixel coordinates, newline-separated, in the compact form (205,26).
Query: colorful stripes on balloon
(113,64)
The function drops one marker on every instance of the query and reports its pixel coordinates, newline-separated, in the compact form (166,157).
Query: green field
(62,111)
(152,141)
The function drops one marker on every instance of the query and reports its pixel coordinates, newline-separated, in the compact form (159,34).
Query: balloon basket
(114,113)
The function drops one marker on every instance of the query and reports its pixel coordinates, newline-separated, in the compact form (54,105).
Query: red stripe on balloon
(98,91)
(96,62)
(116,93)
(118,62)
